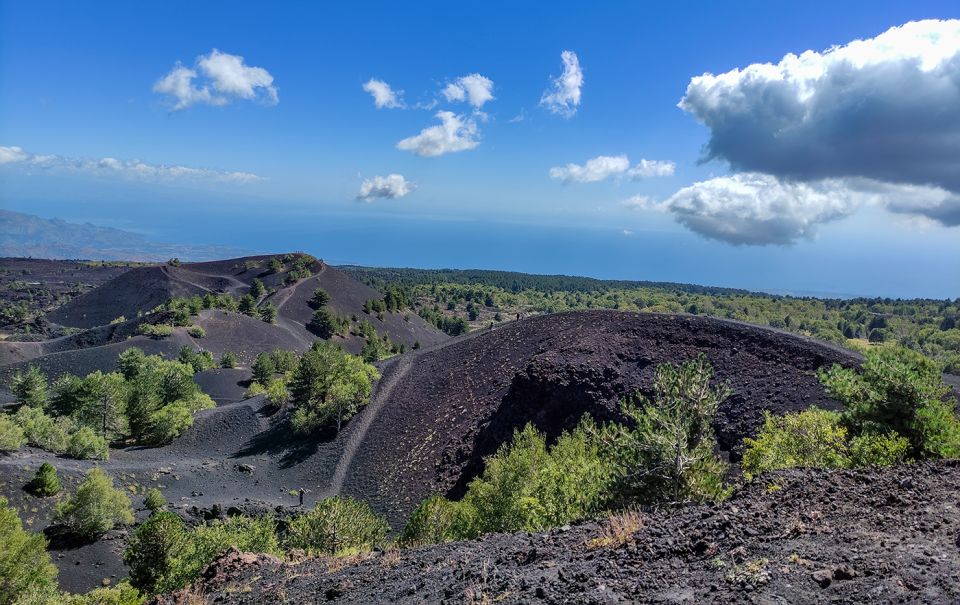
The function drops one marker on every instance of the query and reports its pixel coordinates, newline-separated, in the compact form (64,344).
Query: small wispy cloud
(563,96)
(218,79)
(454,133)
(384,97)
(605,166)
(390,187)
(108,166)
(474,88)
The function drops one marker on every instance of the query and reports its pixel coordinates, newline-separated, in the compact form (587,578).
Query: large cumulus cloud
(886,108)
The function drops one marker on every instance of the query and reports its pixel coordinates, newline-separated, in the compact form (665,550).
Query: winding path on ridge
(285,322)
(391,375)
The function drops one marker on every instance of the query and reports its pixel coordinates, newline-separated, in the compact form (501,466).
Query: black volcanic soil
(434,415)
(873,536)
(449,407)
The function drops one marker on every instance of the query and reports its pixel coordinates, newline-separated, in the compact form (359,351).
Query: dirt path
(167,272)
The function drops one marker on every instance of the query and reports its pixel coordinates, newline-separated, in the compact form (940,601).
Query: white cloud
(223,78)
(885,108)
(759,209)
(563,96)
(605,166)
(391,187)
(383,95)
(12,154)
(639,202)
(474,88)
(132,169)
(627,232)
(454,133)
(597,169)
(646,169)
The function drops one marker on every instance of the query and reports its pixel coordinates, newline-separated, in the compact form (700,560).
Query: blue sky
(78,82)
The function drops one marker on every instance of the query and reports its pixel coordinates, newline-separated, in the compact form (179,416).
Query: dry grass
(619,530)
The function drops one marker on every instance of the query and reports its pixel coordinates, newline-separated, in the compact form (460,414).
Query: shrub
(328,387)
(45,482)
(323,324)
(30,387)
(198,360)
(248,305)
(283,361)
(41,430)
(168,423)
(902,391)
(99,401)
(263,368)
(813,438)
(268,313)
(320,298)
(121,594)
(196,331)
(164,556)
(84,444)
(25,567)
(871,449)
(152,549)
(668,453)
(337,526)
(277,394)
(436,520)
(96,507)
(154,500)
(155,331)
(527,486)
(257,289)
(229,359)
(254,389)
(11,435)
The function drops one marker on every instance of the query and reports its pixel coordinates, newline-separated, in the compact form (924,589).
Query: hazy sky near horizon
(811,146)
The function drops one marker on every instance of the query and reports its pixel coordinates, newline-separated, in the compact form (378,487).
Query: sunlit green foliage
(902,391)
(96,507)
(45,482)
(25,567)
(328,387)
(30,387)
(337,526)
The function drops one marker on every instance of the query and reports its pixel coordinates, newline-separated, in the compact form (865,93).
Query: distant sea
(840,267)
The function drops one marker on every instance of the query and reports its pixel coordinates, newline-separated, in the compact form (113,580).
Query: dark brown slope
(438,412)
(879,536)
(347,298)
(138,290)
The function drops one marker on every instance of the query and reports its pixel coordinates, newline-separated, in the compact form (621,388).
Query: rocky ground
(873,536)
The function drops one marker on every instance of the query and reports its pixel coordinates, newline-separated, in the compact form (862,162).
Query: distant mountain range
(26,235)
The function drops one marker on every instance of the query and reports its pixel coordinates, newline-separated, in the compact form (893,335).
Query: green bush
(96,507)
(248,305)
(155,331)
(527,486)
(163,555)
(263,368)
(168,423)
(320,298)
(30,387)
(337,526)
(323,323)
(41,430)
(268,313)
(328,387)
(901,391)
(277,393)
(813,438)
(668,453)
(26,573)
(154,500)
(11,435)
(121,594)
(45,482)
(198,360)
(229,359)
(257,289)
(254,389)
(152,549)
(84,444)
(98,401)
(196,331)
(284,361)
(878,450)
(437,520)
